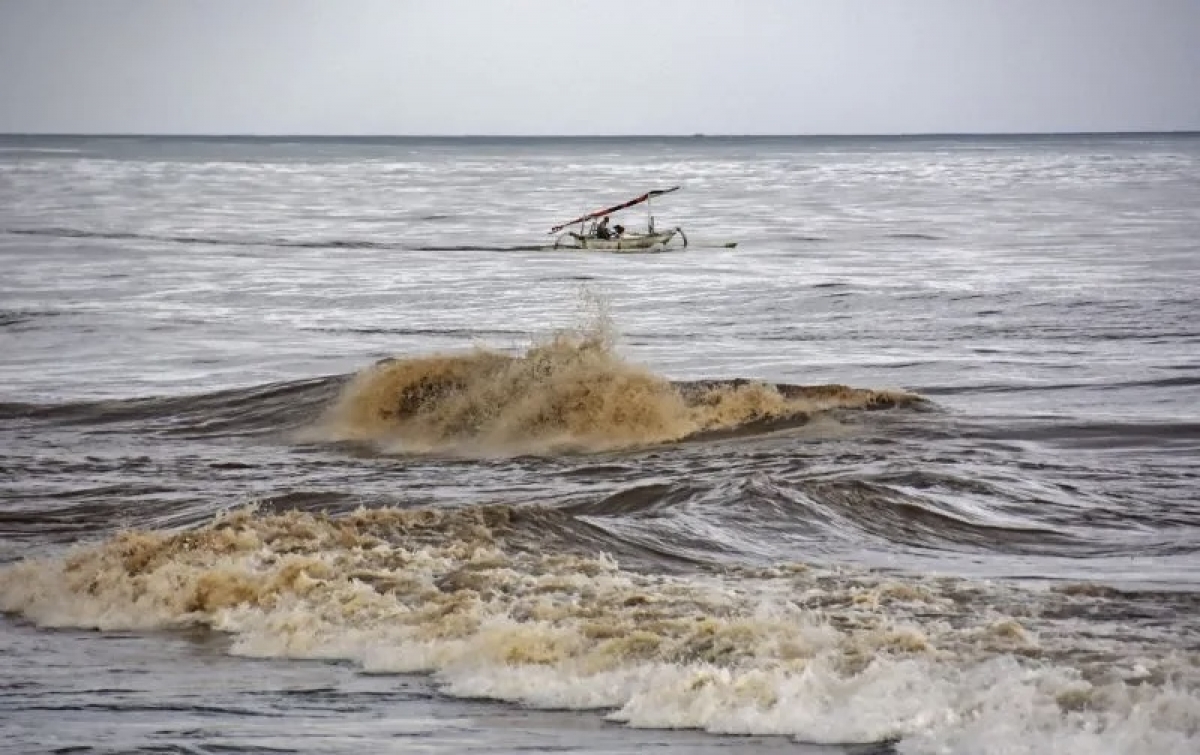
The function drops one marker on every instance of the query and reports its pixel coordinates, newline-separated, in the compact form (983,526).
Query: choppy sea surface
(318,446)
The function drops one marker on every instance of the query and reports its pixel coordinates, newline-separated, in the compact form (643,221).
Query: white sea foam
(823,655)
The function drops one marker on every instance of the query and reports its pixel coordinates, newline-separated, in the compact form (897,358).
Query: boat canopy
(601,213)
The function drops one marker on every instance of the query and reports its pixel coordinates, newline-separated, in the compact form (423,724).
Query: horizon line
(695,135)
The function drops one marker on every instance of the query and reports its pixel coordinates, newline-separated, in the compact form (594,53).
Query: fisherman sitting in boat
(618,231)
(602,231)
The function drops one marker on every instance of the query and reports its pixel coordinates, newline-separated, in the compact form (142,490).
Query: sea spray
(571,391)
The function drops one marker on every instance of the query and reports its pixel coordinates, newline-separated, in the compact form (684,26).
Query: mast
(601,213)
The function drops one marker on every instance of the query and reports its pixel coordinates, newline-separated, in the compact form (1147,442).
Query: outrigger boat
(593,235)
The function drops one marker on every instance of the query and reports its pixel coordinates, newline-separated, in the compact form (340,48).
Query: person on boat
(618,231)
(602,231)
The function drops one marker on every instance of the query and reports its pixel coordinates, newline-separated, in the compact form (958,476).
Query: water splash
(569,392)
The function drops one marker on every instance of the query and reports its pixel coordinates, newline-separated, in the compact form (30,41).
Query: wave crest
(570,393)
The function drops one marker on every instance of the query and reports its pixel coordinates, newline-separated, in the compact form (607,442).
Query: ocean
(320,446)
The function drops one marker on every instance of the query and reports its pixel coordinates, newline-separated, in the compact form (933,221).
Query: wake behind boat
(594,231)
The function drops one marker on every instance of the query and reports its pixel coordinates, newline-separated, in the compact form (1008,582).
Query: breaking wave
(570,393)
(494,605)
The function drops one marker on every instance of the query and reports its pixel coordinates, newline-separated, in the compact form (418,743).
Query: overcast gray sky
(598,66)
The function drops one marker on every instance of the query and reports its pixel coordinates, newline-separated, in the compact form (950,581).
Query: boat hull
(628,243)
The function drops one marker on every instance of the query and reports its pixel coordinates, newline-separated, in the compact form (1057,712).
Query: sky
(543,67)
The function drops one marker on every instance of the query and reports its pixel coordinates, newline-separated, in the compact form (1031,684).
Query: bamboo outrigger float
(597,235)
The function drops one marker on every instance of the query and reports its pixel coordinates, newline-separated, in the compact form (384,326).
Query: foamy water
(485,602)
(336,456)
